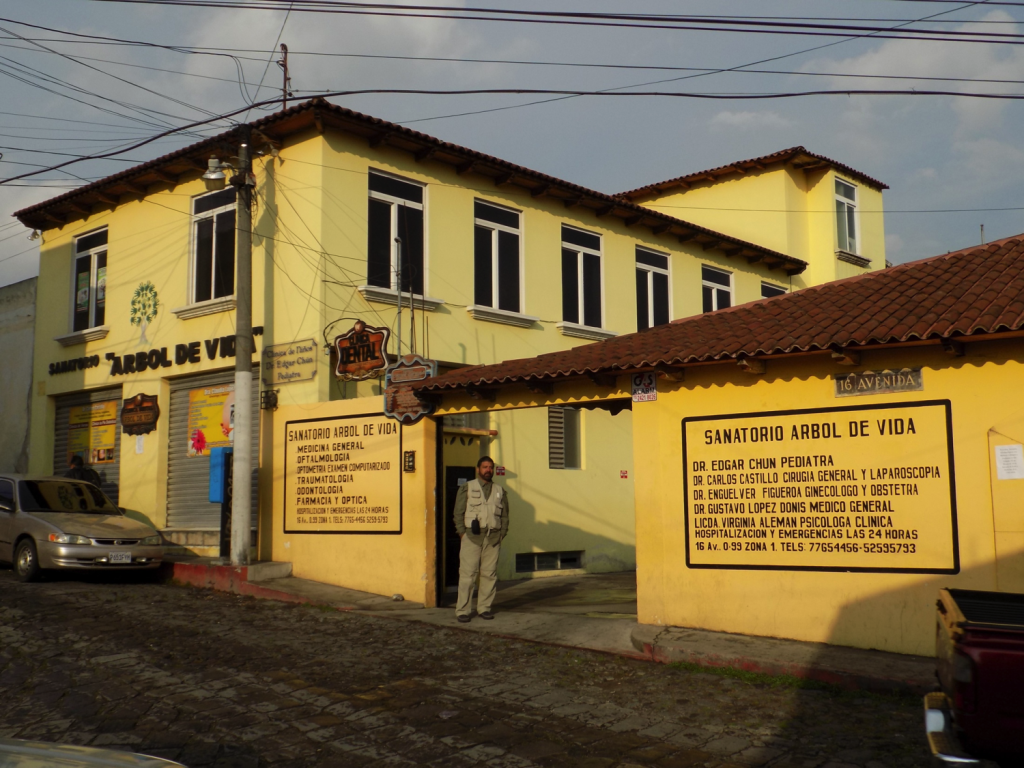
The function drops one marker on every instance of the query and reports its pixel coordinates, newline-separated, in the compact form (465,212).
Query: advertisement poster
(92,432)
(211,418)
(343,475)
(869,489)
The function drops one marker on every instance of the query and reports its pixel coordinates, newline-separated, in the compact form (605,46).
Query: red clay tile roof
(189,162)
(799,156)
(975,291)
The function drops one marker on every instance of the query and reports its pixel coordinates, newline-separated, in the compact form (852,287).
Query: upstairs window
(717,288)
(496,275)
(396,211)
(90,281)
(651,289)
(213,245)
(581,277)
(846,216)
(768,290)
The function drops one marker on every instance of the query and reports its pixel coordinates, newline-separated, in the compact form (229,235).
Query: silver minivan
(59,523)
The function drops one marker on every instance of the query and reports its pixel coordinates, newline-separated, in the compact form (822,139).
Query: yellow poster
(92,432)
(211,418)
(868,488)
(343,475)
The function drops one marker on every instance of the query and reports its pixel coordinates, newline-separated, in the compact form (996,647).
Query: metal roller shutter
(188,478)
(110,473)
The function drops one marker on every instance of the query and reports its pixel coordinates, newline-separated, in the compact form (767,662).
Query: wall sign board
(286,363)
(343,475)
(92,432)
(139,414)
(878,382)
(862,488)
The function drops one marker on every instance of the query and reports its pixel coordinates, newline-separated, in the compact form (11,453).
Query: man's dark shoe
(464,619)
(487,615)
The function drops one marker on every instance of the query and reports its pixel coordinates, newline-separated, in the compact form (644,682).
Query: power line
(577,19)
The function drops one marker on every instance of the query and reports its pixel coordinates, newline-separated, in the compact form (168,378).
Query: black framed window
(651,289)
(717,288)
(89,304)
(581,277)
(395,234)
(768,290)
(496,255)
(213,245)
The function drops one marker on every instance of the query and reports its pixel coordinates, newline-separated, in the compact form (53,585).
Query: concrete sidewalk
(593,612)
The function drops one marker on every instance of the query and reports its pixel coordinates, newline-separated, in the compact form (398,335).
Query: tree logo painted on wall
(145,306)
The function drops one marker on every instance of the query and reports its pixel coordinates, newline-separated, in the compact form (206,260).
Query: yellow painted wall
(149,241)
(789,210)
(558,510)
(382,564)
(893,612)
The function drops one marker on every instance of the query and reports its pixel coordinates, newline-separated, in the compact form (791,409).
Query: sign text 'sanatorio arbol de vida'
(868,488)
(343,475)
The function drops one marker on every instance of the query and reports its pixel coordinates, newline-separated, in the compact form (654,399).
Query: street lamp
(214,178)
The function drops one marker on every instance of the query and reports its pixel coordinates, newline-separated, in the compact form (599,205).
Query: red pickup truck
(979,646)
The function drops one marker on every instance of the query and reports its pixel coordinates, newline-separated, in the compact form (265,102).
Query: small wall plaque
(878,382)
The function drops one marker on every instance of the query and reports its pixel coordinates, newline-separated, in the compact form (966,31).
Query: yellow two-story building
(490,261)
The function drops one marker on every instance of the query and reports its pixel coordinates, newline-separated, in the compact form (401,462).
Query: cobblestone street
(212,679)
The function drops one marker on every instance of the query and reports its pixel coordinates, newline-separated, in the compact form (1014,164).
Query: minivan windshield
(63,496)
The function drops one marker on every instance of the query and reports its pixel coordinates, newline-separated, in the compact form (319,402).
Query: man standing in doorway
(481,518)
(78,471)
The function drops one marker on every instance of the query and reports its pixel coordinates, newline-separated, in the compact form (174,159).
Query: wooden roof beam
(541,387)
(604,380)
(107,199)
(604,211)
(425,154)
(572,202)
(482,393)
(53,217)
(465,168)
(711,244)
(660,229)
(79,208)
(379,139)
(164,177)
(541,191)
(686,237)
(318,121)
(503,179)
(633,220)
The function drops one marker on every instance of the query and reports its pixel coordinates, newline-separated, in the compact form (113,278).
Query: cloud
(941,60)
(750,120)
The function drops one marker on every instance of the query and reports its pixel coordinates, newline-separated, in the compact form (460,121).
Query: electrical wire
(621,21)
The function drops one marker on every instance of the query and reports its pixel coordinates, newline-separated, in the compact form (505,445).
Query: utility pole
(287,82)
(398,245)
(241,499)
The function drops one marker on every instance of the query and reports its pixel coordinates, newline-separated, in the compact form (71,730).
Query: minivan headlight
(151,541)
(69,538)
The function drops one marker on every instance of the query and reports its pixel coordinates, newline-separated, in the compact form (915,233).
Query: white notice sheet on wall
(1010,462)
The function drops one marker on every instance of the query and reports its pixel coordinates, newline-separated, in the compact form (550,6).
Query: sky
(951,162)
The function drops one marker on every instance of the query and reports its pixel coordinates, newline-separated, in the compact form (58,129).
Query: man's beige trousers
(478,557)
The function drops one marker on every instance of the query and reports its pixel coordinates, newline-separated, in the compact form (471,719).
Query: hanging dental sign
(362,352)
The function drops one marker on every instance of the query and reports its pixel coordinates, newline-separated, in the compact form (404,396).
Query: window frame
(774,290)
(848,206)
(395,282)
(704,283)
(651,271)
(495,228)
(193,272)
(580,251)
(557,423)
(93,255)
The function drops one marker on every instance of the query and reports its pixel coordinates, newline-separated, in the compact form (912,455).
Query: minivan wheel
(26,561)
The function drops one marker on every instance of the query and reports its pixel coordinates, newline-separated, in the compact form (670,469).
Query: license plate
(119,557)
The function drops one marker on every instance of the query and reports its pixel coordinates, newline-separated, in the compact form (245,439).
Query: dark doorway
(454,478)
